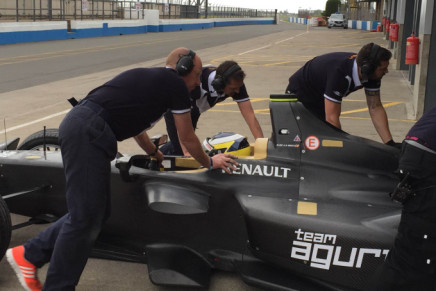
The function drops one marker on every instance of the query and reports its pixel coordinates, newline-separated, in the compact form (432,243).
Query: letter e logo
(312,143)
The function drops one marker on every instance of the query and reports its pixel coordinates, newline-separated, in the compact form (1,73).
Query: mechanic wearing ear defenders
(323,81)
(411,262)
(217,84)
(126,106)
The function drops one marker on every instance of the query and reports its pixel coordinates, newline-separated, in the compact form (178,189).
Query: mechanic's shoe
(26,271)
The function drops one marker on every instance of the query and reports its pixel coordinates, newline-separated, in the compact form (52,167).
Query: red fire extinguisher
(412,50)
(388,23)
(393,33)
(378,27)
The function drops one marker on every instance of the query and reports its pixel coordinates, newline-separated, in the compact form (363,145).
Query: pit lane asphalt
(268,59)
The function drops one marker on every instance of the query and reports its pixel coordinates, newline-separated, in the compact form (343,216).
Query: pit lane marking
(286,39)
(265,59)
(260,48)
(366,108)
(266,111)
(246,52)
(35,121)
(311,45)
(368,118)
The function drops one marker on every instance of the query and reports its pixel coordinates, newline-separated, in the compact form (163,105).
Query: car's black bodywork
(309,210)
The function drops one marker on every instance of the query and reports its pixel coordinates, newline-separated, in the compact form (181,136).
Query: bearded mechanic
(324,81)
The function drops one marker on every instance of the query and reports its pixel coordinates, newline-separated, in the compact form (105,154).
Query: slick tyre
(36,141)
(5,228)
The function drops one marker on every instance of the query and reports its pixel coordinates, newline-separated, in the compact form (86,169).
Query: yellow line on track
(367,118)
(366,109)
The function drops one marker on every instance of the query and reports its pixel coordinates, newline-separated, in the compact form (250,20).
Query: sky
(291,5)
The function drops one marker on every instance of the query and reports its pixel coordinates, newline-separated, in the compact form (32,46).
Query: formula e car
(309,209)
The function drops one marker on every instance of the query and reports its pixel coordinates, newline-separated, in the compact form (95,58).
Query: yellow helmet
(227,142)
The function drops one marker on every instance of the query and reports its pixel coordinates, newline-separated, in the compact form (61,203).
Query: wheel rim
(48,147)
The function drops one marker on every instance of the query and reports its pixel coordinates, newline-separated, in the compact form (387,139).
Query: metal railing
(47,10)
(215,11)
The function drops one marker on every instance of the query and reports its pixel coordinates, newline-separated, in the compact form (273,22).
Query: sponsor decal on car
(261,170)
(282,145)
(312,143)
(320,251)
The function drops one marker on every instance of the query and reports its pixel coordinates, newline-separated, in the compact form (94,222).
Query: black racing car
(308,210)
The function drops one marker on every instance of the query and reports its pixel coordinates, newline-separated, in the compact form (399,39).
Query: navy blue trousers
(88,145)
(411,263)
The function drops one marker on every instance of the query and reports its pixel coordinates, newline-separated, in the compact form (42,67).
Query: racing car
(308,209)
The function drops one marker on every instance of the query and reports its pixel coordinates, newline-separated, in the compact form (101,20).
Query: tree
(332,6)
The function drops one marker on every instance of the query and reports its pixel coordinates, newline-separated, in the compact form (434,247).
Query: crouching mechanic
(323,81)
(124,107)
(217,84)
(411,263)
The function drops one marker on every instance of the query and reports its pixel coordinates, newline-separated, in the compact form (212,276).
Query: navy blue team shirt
(332,76)
(424,130)
(205,96)
(136,99)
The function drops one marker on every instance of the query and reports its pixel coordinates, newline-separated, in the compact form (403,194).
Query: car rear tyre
(36,141)
(5,228)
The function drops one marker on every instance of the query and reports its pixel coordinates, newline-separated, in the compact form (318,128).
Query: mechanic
(217,84)
(323,81)
(411,263)
(124,107)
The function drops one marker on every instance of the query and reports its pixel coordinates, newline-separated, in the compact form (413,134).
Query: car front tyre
(37,140)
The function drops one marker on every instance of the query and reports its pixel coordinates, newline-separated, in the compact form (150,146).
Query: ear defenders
(219,83)
(185,63)
(370,64)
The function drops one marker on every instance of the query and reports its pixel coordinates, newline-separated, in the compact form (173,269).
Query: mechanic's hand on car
(394,144)
(225,162)
(158,155)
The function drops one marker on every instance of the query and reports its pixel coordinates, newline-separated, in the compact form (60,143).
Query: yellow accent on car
(307,208)
(332,143)
(33,157)
(188,162)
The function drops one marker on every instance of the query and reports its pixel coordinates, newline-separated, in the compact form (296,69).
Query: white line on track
(254,50)
(35,121)
(290,38)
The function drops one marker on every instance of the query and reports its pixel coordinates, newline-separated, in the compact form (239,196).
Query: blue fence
(20,32)
(354,24)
